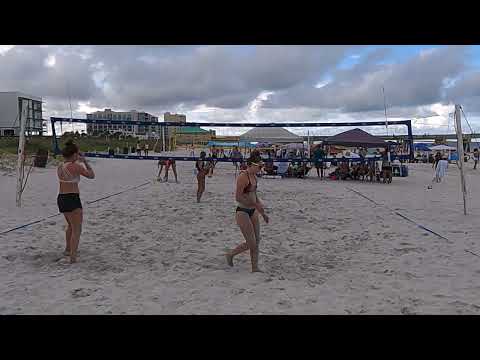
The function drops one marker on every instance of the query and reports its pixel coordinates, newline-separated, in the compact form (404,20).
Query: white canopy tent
(272,135)
(443,148)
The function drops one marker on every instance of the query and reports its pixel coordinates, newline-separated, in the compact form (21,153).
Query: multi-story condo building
(11,110)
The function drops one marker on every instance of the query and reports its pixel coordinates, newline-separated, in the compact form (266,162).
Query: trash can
(41,158)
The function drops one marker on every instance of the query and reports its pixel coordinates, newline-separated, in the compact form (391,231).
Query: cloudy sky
(254,83)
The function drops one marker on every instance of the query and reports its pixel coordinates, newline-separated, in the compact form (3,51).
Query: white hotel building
(143,131)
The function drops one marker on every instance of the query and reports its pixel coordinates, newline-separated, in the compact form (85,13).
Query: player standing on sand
(203,169)
(68,199)
(248,208)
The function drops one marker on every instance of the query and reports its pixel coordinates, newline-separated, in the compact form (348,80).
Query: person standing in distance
(203,169)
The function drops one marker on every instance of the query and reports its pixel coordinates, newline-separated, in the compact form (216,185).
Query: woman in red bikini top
(68,199)
(246,214)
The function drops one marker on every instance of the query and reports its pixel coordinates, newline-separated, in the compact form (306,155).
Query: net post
(21,152)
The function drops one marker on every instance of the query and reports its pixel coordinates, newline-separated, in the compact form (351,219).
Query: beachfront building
(141,131)
(11,109)
(182,135)
(170,131)
(193,135)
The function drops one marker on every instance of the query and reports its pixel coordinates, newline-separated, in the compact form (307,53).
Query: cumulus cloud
(40,71)
(220,76)
(244,83)
(418,81)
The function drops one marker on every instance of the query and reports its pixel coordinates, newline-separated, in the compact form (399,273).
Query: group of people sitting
(295,169)
(363,170)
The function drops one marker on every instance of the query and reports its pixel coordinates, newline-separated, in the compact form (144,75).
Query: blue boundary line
(88,202)
(401,215)
(118,193)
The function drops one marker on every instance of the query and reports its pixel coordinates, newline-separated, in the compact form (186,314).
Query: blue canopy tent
(422,147)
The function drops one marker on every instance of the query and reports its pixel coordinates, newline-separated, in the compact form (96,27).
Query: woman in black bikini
(202,171)
(246,214)
(68,199)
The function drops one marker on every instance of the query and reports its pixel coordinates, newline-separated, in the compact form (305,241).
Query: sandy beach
(327,250)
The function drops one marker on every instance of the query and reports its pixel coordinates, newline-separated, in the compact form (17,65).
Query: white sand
(327,250)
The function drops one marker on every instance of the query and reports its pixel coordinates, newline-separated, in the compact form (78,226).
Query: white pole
(308,143)
(458,126)
(156,142)
(163,137)
(21,151)
(385,107)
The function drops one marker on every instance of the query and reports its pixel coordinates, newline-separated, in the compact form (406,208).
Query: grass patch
(9,145)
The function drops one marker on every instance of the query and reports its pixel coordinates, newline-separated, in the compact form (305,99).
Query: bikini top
(65,176)
(248,188)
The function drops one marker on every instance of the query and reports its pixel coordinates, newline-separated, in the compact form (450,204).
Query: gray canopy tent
(275,135)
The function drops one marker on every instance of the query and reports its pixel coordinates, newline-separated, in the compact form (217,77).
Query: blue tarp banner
(191,158)
(453,156)
(241,144)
